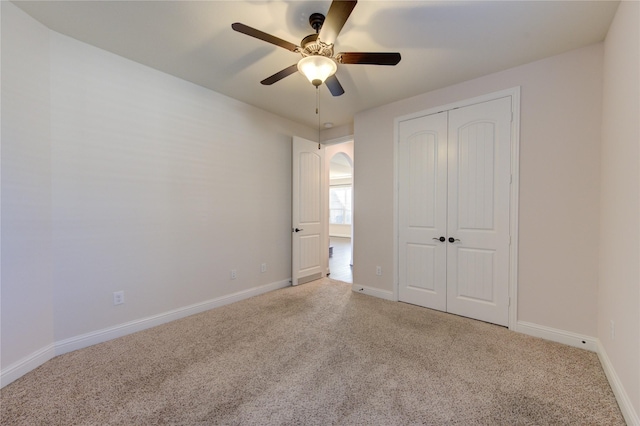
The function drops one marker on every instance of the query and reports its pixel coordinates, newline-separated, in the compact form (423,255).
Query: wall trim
(99,336)
(376,292)
(592,344)
(556,335)
(27,364)
(581,341)
(36,359)
(335,141)
(624,402)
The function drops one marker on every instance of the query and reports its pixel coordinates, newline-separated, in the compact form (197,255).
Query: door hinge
(509,301)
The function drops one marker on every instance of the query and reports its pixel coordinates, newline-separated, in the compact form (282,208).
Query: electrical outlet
(263,267)
(234,274)
(118,297)
(613,330)
(378,270)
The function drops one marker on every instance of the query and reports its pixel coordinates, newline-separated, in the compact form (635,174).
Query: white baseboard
(28,363)
(629,413)
(592,344)
(382,294)
(89,339)
(555,335)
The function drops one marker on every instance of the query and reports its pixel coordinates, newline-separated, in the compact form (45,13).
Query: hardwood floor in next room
(340,260)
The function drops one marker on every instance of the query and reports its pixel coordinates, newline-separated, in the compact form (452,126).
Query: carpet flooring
(317,354)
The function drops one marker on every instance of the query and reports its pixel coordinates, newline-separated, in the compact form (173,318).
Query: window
(340,205)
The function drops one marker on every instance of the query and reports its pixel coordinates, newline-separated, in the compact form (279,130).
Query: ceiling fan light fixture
(317,68)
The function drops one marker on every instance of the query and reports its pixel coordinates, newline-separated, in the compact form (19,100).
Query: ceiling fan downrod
(316,20)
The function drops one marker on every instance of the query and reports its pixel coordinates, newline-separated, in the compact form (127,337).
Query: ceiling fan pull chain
(318,112)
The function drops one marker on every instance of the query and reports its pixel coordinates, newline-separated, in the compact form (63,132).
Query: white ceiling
(441,43)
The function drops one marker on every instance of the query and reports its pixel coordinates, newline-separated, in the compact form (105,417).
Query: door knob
(441,239)
(298,230)
(452,240)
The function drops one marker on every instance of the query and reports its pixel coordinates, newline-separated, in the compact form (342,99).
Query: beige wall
(27,288)
(116,176)
(159,188)
(340,132)
(561,101)
(619,288)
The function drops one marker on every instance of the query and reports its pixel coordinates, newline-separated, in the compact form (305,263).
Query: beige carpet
(317,354)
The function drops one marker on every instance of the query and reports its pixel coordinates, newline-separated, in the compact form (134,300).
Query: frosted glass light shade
(317,68)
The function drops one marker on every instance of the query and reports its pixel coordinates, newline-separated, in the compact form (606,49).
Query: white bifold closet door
(453,202)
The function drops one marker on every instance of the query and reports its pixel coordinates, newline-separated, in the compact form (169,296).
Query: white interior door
(454,182)
(422,196)
(478,221)
(308,220)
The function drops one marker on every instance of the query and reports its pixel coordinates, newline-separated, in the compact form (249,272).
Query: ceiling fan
(318,62)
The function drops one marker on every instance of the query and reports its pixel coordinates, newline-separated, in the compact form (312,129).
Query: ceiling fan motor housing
(312,46)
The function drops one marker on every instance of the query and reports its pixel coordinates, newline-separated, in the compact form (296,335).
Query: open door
(308,218)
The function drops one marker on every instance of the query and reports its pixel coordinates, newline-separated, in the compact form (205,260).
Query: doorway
(340,202)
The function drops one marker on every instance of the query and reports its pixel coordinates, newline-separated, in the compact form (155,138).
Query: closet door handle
(441,239)
(452,240)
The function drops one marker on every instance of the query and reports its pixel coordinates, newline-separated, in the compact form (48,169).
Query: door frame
(514,92)
(326,144)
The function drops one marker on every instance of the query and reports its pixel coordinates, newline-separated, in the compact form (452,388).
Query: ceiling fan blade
(368,58)
(244,29)
(280,75)
(337,15)
(334,85)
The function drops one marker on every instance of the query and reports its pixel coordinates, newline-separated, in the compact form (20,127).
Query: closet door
(479,175)
(422,206)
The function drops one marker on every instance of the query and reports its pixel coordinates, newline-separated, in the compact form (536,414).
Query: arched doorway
(341,212)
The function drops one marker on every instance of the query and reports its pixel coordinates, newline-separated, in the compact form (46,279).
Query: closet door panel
(422,210)
(479,174)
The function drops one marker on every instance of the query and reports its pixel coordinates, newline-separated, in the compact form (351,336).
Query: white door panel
(421,267)
(423,211)
(307,208)
(478,197)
